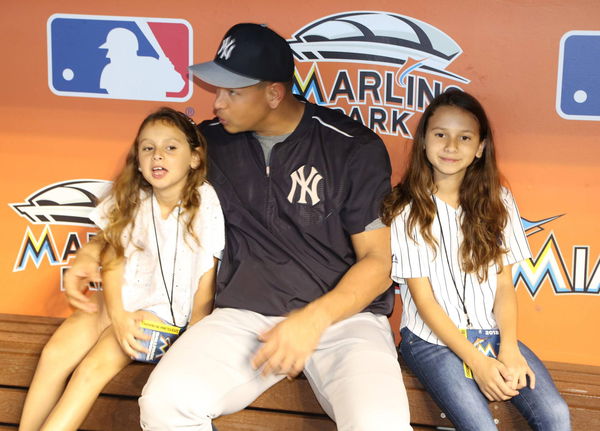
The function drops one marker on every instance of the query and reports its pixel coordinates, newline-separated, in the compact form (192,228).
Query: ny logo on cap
(226,47)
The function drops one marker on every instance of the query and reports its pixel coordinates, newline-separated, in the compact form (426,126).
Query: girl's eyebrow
(170,139)
(460,131)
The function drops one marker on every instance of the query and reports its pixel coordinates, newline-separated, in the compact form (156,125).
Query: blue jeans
(441,372)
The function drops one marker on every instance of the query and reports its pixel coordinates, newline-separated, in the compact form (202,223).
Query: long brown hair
(484,216)
(126,188)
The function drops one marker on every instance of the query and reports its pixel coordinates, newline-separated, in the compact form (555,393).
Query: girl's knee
(562,415)
(544,409)
(87,370)
(556,416)
(97,369)
(55,355)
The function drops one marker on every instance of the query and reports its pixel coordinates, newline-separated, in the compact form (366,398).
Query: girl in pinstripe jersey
(456,233)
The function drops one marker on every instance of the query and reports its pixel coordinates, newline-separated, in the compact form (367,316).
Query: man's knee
(155,410)
(168,403)
(159,405)
(371,409)
(376,419)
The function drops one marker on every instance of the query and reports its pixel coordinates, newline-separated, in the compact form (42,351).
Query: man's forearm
(363,282)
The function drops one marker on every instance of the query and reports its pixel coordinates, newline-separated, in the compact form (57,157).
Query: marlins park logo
(66,203)
(378,67)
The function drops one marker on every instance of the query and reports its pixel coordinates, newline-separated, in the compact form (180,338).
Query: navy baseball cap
(248,54)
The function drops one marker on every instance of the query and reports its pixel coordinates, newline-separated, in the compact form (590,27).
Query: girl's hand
(491,376)
(517,367)
(127,330)
(84,270)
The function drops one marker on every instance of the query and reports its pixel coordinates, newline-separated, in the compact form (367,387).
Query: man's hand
(517,367)
(287,346)
(85,269)
(491,377)
(126,327)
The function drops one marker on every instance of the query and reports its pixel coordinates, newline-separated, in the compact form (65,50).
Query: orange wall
(510,56)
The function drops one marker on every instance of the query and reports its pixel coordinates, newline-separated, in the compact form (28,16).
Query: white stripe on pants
(207,373)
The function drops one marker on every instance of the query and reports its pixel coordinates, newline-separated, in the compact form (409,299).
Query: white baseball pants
(354,373)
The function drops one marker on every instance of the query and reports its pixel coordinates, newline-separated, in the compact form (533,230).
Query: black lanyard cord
(169,296)
(464,285)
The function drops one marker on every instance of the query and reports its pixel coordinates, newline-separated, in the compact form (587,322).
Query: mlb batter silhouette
(129,75)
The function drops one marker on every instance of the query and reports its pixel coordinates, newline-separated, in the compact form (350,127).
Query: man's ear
(275,93)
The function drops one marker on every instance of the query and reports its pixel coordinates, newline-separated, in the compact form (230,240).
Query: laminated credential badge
(487,341)
(162,336)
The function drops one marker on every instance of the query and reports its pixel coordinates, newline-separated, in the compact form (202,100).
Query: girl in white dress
(162,229)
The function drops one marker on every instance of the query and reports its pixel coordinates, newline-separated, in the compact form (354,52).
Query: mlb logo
(578,89)
(119,57)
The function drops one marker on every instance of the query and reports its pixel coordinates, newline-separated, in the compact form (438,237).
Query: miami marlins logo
(165,343)
(66,203)
(388,66)
(550,265)
(485,347)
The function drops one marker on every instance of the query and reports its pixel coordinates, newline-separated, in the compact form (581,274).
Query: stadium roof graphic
(65,203)
(376,37)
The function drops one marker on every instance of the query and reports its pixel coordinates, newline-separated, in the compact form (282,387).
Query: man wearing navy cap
(304,281)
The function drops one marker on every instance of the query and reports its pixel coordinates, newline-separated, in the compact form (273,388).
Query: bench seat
(289,405)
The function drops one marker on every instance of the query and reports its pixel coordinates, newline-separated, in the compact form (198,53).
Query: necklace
(464,284)
(169,295)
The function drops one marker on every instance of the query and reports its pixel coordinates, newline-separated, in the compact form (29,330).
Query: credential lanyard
(169,295)
(464,284)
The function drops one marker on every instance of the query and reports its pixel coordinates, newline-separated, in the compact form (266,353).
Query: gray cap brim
(216,75)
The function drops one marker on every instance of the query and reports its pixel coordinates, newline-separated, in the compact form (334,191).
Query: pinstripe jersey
(415,260)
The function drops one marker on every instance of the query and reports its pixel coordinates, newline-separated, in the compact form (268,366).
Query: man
(304,282)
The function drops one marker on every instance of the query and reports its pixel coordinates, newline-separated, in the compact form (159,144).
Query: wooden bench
(290,406)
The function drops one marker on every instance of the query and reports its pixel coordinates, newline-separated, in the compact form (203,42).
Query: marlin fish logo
(485,347)
(165,343)
(406,69)
(479,341)
(533,227)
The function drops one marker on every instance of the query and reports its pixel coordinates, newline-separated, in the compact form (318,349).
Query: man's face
(242,109)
